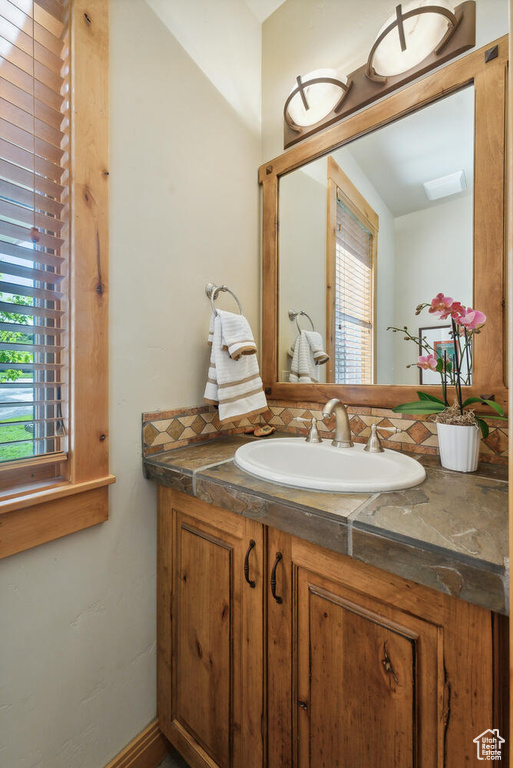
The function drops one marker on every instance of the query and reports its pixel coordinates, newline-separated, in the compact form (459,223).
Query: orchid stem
(444,380)
(420,340)
(456,365)
(467,355)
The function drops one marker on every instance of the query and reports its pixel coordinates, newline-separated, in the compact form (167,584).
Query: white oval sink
(321,467)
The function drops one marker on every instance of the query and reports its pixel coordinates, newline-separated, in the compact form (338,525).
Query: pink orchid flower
(472,319)
(445,306)
(428,362)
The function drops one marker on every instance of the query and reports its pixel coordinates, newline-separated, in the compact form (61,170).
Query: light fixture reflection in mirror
(361,245)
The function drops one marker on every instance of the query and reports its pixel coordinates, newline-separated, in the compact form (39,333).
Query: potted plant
(459,428)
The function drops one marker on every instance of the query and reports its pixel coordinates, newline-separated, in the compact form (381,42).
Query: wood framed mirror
(482,74)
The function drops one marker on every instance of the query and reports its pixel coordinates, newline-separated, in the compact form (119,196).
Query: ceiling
(263,8)
(432,142)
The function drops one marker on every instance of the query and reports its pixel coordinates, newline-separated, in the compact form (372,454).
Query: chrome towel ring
(293,315)
(213,291)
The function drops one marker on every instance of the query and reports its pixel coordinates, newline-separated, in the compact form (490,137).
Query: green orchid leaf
(439,365)
(419,406)
(471,400)
(483,426)
(431,398)
(496,407)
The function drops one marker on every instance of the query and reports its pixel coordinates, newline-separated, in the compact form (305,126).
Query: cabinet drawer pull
(278,599)
(246,564)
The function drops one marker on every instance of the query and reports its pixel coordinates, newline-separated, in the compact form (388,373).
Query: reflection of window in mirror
(351,270)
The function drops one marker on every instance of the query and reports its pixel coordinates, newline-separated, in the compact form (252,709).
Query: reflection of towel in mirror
(306,352)
(233,381)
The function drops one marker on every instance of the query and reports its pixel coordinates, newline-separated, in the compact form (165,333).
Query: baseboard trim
(147,750)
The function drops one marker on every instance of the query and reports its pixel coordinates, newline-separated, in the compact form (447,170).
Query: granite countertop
(449,533)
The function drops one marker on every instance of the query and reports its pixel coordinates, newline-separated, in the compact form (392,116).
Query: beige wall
(302,248)
(433,253)
(78,615)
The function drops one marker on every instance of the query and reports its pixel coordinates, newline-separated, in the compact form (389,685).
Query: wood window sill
(41,516)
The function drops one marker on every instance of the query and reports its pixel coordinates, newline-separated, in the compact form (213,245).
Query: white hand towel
(316,345)
(302,367)
(233,381)
(237,334)
(306,352)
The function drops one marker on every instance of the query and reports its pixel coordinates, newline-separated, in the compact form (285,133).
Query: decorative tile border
(163,430)
(418,432)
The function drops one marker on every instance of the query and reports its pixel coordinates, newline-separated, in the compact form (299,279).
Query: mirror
(361,244)
(364,178)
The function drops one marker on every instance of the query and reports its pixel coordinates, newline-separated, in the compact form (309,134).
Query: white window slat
(33,264)
(353,300)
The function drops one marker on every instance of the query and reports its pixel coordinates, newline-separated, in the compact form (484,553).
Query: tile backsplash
(163,430)
(418,433)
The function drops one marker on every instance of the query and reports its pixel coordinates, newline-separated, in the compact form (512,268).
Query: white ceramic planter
(459,446)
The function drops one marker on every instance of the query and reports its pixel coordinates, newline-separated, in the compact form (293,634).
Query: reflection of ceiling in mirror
(426,145)
(263,8)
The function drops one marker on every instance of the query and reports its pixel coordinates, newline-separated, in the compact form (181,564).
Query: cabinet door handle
(246,564)
(278,599)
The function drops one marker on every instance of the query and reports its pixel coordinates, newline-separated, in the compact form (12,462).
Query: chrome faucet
(374,443)
(313,433)
(342,428)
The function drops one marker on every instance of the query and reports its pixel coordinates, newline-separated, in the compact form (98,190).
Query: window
(33,215)
(53,263)
(352,241)
(353,299)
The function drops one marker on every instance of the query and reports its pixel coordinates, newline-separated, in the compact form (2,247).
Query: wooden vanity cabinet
(210,674)
(324,663)
(384,673)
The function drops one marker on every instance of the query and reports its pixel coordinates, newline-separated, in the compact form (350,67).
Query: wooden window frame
(360,208)
(38,509)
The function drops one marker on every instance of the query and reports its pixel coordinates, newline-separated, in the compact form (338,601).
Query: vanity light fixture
(445,185)
(315,96)
(419,37)
(409,36)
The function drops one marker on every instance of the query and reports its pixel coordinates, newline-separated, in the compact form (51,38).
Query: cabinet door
(365,672)
(383,672)
(210,633)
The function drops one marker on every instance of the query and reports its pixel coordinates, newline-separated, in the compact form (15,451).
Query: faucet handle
(374,443)
(313,433)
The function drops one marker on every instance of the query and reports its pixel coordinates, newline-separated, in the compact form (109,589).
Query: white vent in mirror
(445,185)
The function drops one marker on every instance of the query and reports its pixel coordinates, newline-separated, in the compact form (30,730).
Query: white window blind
(353,300)
(33,228)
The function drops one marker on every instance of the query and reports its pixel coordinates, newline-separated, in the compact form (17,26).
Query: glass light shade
(422,34)
(321,98)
